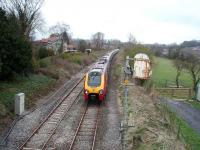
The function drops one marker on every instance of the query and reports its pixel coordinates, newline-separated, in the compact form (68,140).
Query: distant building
(69,48)
(165,51)
(53,42)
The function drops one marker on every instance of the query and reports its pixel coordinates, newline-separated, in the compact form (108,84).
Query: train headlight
(100,92)
(86,92)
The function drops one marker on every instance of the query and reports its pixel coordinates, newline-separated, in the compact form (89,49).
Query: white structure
(142,68)
(88,50)
(19,103)
(198,92)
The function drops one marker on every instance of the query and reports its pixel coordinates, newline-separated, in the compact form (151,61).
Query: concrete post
(198,92)
(19,103)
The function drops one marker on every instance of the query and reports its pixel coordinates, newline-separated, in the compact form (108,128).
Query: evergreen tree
(15,51)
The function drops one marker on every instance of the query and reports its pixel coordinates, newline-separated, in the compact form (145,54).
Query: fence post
(190,94)
(165,83)
(172,94)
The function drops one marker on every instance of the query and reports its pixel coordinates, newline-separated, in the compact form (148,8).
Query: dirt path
(190,114)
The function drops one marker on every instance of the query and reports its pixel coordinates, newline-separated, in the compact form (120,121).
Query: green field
(165,72)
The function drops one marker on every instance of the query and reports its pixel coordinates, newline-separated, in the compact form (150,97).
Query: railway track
(40,137)
(86,131)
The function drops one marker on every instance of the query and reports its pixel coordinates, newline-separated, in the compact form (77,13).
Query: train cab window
(94,79)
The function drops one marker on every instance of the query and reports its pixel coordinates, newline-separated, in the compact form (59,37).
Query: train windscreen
(94,79)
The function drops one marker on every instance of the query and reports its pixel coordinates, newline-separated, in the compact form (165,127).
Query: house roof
(53,38)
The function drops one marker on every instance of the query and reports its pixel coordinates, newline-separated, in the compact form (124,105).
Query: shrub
(139,49)
(51,52)
(3,111)
(54,75)
(82,45)
(73,57)
(43,52)
(43,64)
(35,64)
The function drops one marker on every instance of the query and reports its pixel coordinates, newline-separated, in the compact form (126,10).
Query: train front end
(94,85)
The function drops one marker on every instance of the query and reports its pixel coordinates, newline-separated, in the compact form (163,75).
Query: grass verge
(180,127)
(189,135)
(195,104)
(28,85)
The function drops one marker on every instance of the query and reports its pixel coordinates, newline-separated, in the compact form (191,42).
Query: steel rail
(96,127)
(79,126)
(54,109)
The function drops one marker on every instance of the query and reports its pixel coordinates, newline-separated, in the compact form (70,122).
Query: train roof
(96,70)
(99,66)
(141,56)
(101,62)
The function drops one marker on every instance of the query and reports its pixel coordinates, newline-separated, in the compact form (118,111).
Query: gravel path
(190,114)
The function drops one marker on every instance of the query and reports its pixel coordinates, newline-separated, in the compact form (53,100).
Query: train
(142,67)
(96,79)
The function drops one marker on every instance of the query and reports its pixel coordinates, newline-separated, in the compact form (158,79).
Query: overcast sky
(150,21)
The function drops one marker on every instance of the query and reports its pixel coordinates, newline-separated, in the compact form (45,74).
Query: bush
(149,85)
(73,57)
(3,111)
(35,64)
(50,52)
(43,64)
(82,45)
(139,49)
(43,52)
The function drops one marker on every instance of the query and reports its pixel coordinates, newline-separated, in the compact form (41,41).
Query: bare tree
(131,40)
(63,31)
(27,13)
(98,40)
(113,43)
(192,64)
(179,67)
(82,45)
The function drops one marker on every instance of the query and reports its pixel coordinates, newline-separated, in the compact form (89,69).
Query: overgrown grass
(191,137)
(45,62)
(164,70)
(195,104)
(180,127)
(79,58)
(28,85)
(73,57)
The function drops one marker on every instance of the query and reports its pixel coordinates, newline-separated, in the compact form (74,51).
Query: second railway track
(86,131)
(40,137)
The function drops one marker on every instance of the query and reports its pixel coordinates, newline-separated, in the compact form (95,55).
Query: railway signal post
(124,125)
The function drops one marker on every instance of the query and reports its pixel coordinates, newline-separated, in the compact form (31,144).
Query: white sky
(150,21)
